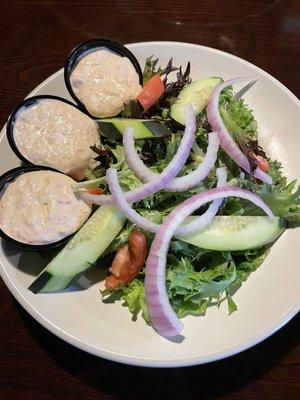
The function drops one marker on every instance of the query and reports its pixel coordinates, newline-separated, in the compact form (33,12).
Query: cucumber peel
(196,93)
(236,233)
(143,128)
(81,252)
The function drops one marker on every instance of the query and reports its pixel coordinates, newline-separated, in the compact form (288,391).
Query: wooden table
(35,38)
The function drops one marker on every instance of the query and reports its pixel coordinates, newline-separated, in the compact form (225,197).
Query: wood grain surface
(35,38)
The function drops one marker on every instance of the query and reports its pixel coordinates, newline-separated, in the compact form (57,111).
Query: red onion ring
(121,202)
(163,317)
(181,183)
(200,222)
(146,224)
(226,140)
(163,179)
(259,174)
(215,119)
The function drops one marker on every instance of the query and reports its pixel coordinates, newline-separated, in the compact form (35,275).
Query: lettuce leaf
(161,201)
(282,197)
(191,291)
(151,69)
(197,278)
(122,237)
(133,297)
(247,262)
(193,284)
(238,117)
(241,124)
(284,201)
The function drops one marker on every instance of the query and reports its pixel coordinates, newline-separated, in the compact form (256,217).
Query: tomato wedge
(128,261)
(262,163)
(151,92)
(95,191)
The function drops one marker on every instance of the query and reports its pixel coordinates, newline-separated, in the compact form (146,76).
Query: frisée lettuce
(197,278)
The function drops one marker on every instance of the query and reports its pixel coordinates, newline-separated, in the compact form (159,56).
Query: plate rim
(143,361)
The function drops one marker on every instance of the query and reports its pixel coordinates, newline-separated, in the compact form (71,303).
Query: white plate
(266,301)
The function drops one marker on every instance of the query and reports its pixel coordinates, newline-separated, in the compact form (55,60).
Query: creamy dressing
(40,207)
(103,81)
(58,135)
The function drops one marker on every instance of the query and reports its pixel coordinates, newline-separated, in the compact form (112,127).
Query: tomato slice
(128,261)
(151,92)
(262,163)
(95,191)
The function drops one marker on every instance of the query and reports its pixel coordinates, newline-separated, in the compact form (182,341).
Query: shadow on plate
(209,381)
(32,263)
(27,261)
(90,278)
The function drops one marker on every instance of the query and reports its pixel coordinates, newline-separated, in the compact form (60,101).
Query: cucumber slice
(197,94)
(234,233)
(81,252)
(143,128)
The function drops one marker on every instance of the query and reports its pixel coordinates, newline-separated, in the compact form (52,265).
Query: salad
(187,204)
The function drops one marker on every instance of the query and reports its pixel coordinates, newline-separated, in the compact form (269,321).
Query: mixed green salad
(203,267)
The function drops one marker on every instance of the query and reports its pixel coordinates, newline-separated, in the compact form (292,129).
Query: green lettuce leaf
(151,68)
(133,297)
(122,237)
(193,284)
(190,291)
(282,197)
(198,278)
(247,262)
(238,117)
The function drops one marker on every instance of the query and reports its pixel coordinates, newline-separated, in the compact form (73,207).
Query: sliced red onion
(179,184)
(226,141)
(215,119)
(121,202)
(259,174)
(200,222)
(163,317)
(163,179)
(144,223)
(133,160)
(100,199)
